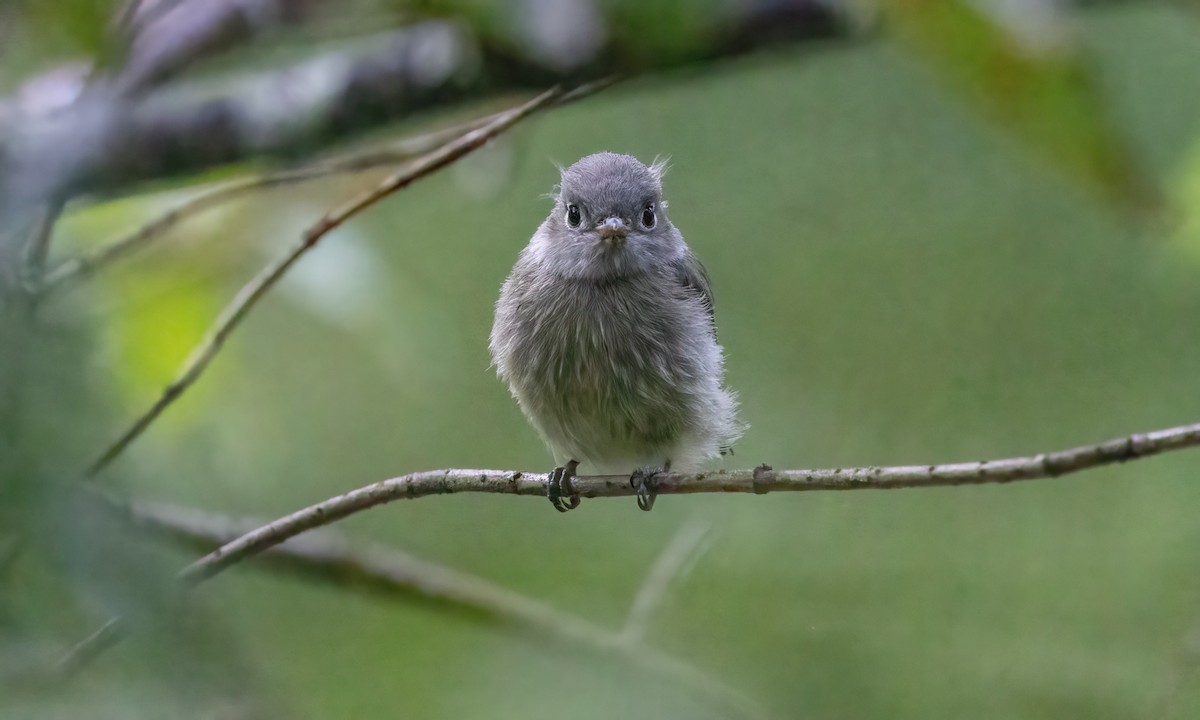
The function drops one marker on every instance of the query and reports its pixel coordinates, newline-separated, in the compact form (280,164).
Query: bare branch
(325,556)
(394,153)
(759,481)
(678,555)
(253,291)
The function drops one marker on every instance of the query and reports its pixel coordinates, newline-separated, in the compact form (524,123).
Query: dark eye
(648,218)
(573,216)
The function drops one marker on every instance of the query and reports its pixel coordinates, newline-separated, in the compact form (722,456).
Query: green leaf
(1024,68)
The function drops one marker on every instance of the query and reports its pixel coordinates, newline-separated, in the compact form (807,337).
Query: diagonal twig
(676,557)
(86,264)
(89,648)
(325,556)
(246,298)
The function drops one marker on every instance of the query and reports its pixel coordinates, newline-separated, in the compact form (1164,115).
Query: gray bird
(604,332)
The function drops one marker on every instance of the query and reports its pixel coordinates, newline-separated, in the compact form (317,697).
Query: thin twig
(679,554)
(90,647)
(252,292)
(87,264)
(760,480)
(325,556)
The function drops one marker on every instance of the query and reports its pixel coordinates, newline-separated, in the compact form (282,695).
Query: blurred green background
(898,280)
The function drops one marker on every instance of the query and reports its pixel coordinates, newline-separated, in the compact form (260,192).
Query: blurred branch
(759,481)
(169,36)
(393,153)
(252,292)
(679,554)
(326,557)
(107,142)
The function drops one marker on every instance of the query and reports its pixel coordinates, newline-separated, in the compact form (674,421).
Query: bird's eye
(648,218)
(573,216)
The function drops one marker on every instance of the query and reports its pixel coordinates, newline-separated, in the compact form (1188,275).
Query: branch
(759,481)
(252,292)
(326,557)
(679,555)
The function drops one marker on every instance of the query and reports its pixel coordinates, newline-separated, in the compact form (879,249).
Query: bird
(605,333)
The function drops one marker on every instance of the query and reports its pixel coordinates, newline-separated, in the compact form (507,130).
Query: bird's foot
(559,490)
(645,481)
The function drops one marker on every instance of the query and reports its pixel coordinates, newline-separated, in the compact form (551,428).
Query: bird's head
(609,218)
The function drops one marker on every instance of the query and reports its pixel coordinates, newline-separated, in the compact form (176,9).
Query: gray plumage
(605,332)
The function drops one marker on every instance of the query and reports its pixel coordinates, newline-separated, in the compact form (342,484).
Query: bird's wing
(692,276)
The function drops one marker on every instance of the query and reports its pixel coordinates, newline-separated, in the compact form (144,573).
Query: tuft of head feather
(660,166)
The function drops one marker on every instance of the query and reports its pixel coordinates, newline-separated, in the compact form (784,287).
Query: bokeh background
(903,274)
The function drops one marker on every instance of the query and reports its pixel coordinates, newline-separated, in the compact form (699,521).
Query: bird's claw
(645,481)
(559,490)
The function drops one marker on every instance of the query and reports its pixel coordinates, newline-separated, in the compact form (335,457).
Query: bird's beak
(612,229)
